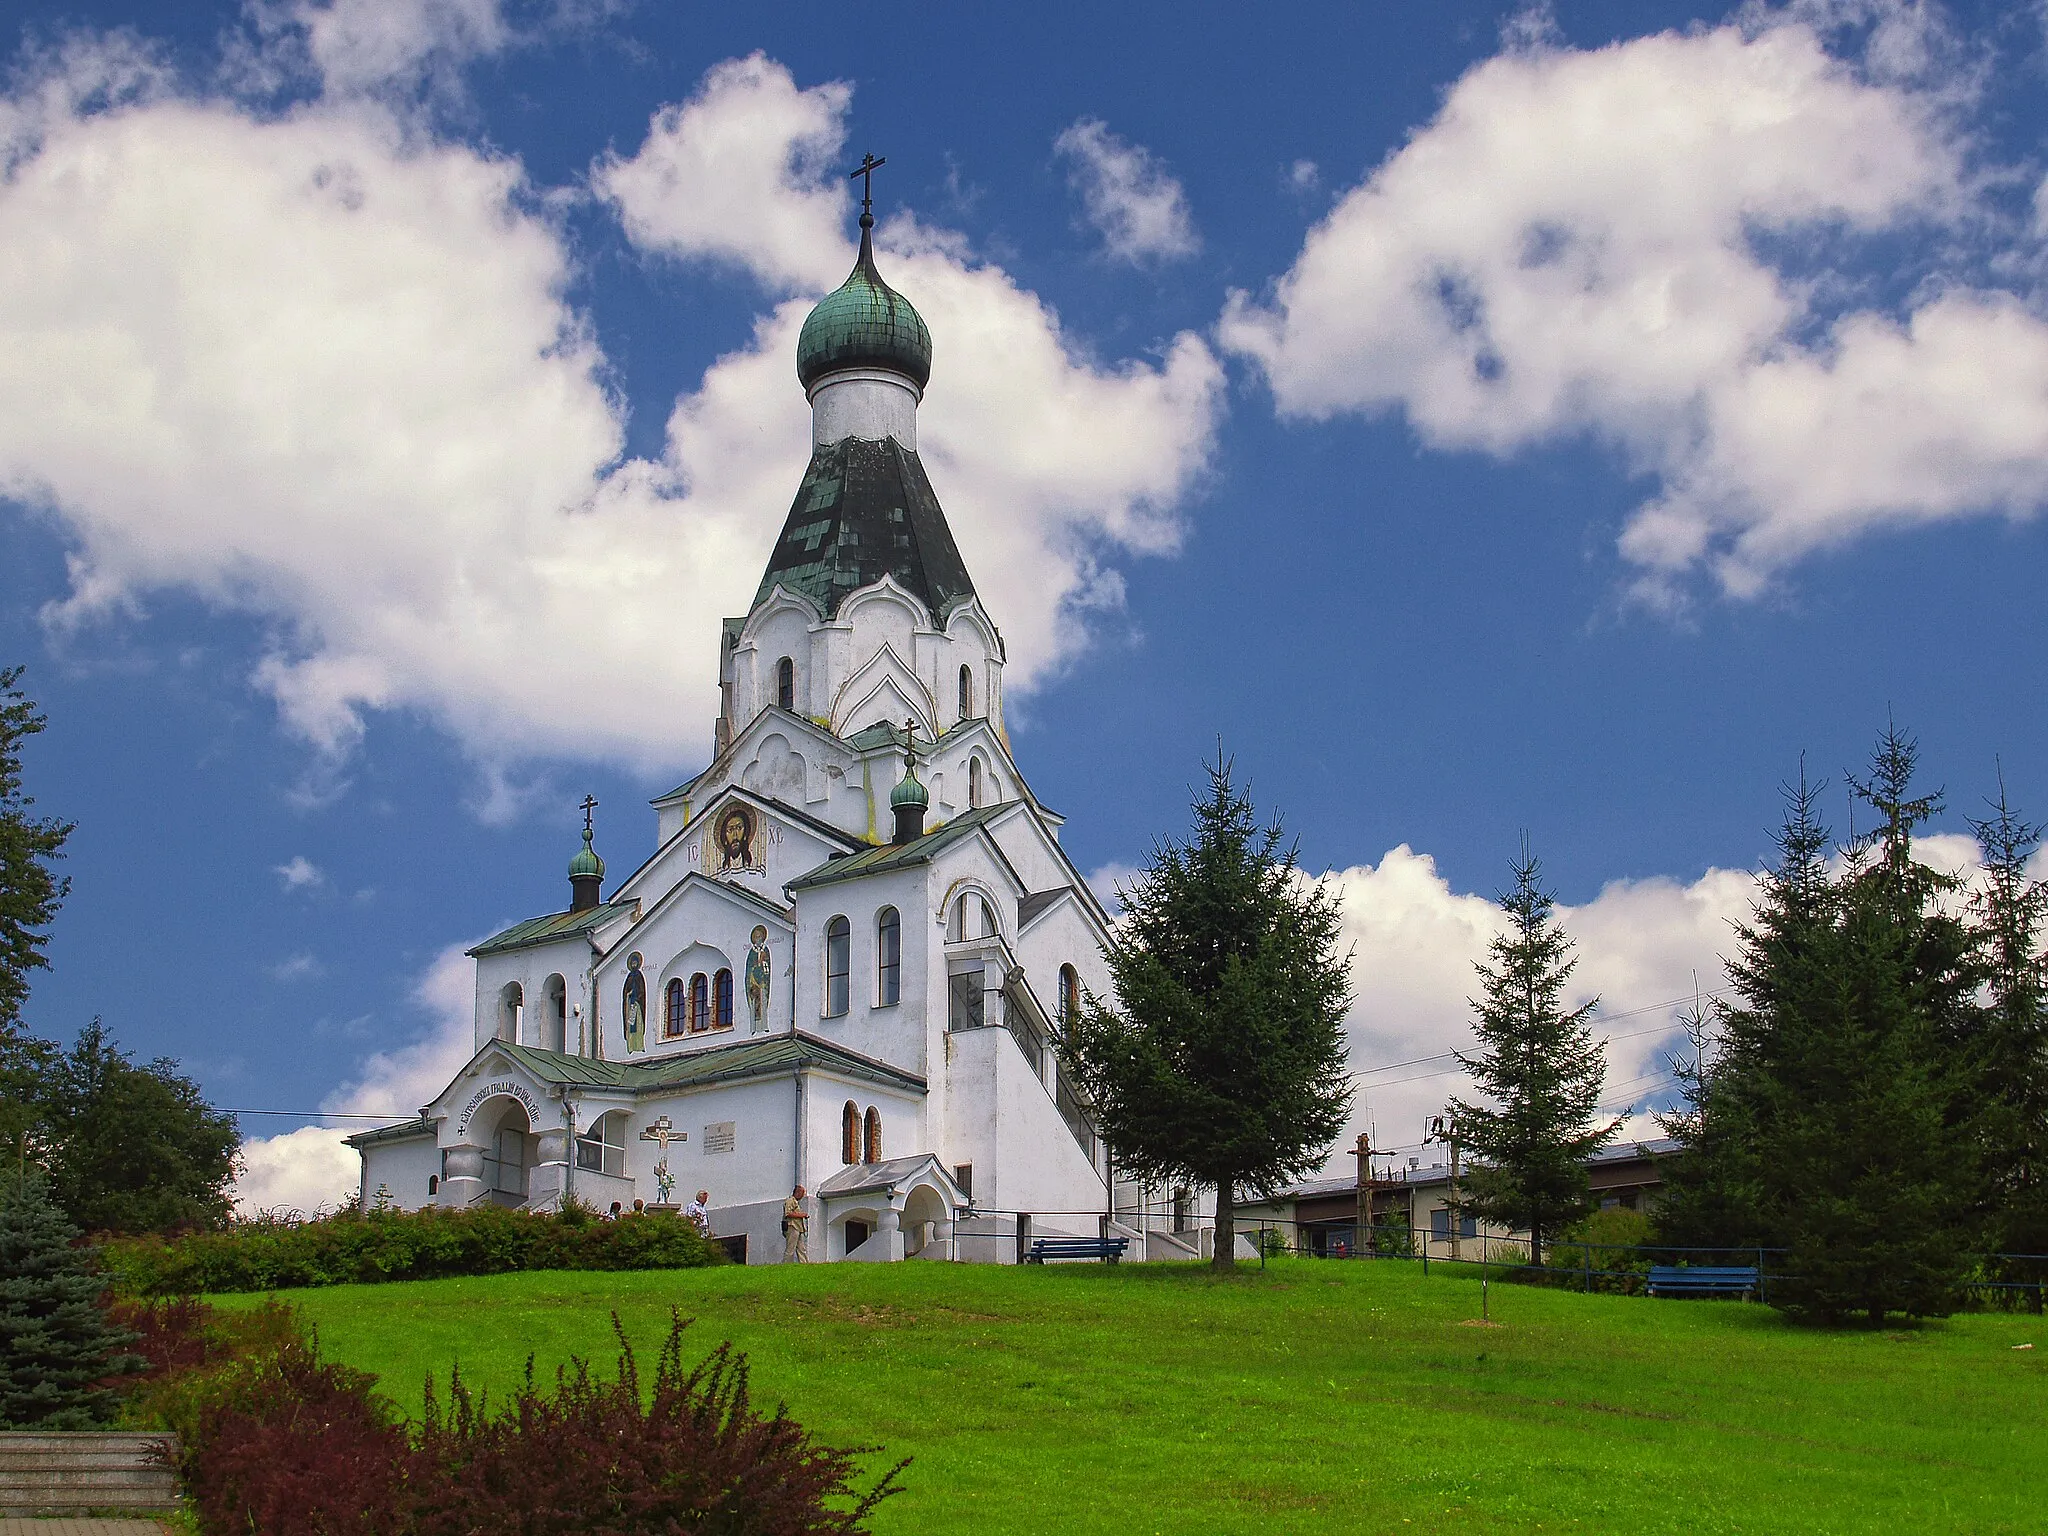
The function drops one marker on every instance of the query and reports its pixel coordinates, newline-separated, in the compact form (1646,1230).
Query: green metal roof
(875,861)
(410,1130)
(865,510)
(761,1057)
(864,323)
(556,925)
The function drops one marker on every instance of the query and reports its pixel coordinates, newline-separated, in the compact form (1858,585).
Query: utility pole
(1363,1152)
(1444,1128)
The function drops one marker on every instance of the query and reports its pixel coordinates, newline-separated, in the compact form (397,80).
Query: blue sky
(1481,420)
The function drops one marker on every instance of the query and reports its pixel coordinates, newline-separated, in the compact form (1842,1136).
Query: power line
(1634,1034)
(318,1114)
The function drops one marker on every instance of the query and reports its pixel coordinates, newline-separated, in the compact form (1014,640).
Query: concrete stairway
(72,1472)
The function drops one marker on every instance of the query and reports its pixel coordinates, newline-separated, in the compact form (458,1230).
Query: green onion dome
(864,323)
(908,791)
(586,861)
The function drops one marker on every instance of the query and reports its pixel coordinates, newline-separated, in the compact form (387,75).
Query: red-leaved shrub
(293,1447)
(594,1457)
(276,1443)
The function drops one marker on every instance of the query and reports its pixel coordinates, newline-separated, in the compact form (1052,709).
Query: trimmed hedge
(359,1247)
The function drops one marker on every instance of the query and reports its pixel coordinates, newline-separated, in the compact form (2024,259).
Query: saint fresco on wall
(635,1001)
(757,981)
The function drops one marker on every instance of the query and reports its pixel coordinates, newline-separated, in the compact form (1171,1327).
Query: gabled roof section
(890,1174)
(864,511)
(771,1056)
(923,850)
(1032,904)
(556,925)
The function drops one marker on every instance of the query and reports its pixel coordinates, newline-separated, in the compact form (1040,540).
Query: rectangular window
(963,1175)
(965,989)
(1440,1222)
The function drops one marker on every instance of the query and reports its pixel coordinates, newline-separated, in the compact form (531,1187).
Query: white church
(840,967)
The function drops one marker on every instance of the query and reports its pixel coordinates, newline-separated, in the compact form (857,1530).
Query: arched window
(966,692)
(973,783)
(433,1185)
(674,1019)
(871,1136)
(511,1004)
(1070,996)
(785,684)
(555,1020)
(888,957)
(838,966)
(849,1133)
(700,1001)
(721,1000)
(988,919)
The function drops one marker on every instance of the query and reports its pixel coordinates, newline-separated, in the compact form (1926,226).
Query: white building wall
(403,1168)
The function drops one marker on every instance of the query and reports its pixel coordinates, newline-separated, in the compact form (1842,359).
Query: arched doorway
(508,1157)
(925,1217)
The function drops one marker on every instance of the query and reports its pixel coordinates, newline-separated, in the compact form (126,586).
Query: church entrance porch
(508,1157)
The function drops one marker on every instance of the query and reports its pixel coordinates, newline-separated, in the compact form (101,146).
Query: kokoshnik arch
(840,966)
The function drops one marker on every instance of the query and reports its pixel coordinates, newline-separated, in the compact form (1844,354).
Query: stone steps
(73,1471)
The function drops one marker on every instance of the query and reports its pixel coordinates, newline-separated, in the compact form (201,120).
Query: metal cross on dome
(865,171)
(589,804)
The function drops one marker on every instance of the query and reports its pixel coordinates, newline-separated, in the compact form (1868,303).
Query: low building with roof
(840,966)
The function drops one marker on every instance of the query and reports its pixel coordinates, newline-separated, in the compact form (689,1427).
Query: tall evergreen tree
(56,1344)
(1830,1123)
(2011,912)
(1222,1059)
(30,891)
(133,1148)
(1540,1067)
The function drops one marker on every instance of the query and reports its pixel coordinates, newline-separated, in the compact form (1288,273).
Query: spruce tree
(2010,913)
(1714,1187)
(56,1345)
(29,892)
(1540,1067)
(1222,1059)
(1840,1081)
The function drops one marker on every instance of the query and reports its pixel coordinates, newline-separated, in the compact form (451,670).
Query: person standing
(698,1213)
(796,1223)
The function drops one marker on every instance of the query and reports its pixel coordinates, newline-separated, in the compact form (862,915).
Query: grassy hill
(1313,1397)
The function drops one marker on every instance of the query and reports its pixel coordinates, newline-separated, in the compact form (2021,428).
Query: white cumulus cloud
(310,1168)
(1667,245)
(320,365)
(1643,947)
(1133,202)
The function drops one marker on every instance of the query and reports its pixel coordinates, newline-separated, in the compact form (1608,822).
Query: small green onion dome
(586,861)
(908,791)
(864,323)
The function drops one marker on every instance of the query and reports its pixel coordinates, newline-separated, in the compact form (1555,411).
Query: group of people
(697,1213)
(796,1221)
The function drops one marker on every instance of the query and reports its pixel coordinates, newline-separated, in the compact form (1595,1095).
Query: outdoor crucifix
(661,1133)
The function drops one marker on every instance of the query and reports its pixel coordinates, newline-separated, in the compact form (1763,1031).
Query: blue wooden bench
(1703,1280)
(1107,1249)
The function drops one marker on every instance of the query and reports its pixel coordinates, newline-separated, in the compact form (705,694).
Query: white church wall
(761,1162)
(402,1168)
(700,929)
(901,1111)
(864,403)
(999,1117)
(529,969)
(891,1032)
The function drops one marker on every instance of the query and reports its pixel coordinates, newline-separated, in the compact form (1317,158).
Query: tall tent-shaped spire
(865,509)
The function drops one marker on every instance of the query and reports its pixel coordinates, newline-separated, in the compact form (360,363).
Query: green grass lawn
(1312,1397)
